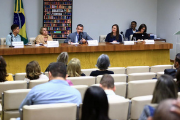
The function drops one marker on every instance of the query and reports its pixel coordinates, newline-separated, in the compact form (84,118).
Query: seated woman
(95,104)
(102,63)
(141,34)
(74,68)
(3,73)
(114,36)
(33,72)
(43,37)
(165,89)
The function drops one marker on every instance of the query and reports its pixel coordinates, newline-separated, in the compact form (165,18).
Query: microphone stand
(11,41)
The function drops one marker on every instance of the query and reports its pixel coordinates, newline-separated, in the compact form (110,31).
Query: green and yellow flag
(19,19)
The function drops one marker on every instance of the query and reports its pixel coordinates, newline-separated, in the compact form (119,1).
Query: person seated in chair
(131,30)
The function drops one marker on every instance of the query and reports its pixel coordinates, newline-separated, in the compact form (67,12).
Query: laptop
(141,36)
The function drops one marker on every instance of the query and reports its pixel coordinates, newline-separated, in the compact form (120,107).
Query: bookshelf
(57,17)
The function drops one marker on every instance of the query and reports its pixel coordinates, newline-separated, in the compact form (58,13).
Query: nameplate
(18,44)
(128,42)
(92,42)
(52,43)
(149,41)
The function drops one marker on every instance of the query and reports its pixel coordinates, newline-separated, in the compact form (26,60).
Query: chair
(137,69)
(20,76)
(33,83)
(141,88)
(118,109)
(138,104)
(86,80)
(61,111)
(130,37)
(117,78)
(102,38)
(32,40)
(3,41)
(87,72)
(11,100)
(81,88)
(178,94)
(141,76)
(118,70)
(160,68)
(159,74)
(11,85)
(46,73)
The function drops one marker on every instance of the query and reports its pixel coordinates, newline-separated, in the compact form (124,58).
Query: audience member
(33,72)
(43,37)
(107,83)
(3,72)
(103,63)
(95,104)
(74,68)
(114,36)
(131,30)
(78,36)
(63,57)
(14,35)
(165,88)
(165,110)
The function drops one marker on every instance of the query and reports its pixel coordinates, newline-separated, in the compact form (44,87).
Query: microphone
(11,39)
(122,34)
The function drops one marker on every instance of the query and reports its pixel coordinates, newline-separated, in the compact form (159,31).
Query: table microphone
(11,40)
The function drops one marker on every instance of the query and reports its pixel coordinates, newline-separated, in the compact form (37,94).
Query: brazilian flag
(19,19)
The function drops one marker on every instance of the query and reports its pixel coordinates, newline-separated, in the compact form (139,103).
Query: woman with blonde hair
(43,37)
(74,68)
(33,72)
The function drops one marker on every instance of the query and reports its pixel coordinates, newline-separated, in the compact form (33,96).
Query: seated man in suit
(14,35)
(107,83)
(131,30)
(78,36)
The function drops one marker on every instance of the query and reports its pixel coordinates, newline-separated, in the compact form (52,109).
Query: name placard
(149,41)
(92,42)
(128,42)
(18,44)
(52,43)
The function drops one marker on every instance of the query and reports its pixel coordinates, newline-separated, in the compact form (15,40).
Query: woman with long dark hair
(141,34)
(114,36)
(95,104)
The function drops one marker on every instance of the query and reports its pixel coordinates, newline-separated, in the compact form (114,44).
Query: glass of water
(134,38)
(69,41)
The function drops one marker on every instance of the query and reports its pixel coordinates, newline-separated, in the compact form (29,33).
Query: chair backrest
(138,104)
(61,111)
(87,72)
(86,80)
(118,109)
(3,41)
(159,74)
(141,88)
(20,76)
(33,83)
(118,70)
(130,37)
(32,40)
(11,85)
(141,76)
(178,94)
(11,102)
(117,78)
(137,69)
(160,68)
(46,73)
(81,88)
(102,38)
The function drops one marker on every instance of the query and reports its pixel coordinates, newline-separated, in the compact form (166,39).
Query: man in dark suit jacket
(78,36)
(131,30)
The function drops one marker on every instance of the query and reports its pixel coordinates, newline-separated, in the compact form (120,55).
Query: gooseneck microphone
(122,35)
(11,40)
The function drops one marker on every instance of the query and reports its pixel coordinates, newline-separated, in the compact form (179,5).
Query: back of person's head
(177,61)
(63,57)
(14,26)
(165,88)
(103,62)
(95,104)
(33,70)
(163,111)
(107,82)
(74,68)
(3,72)
(143,26)
(58,69)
